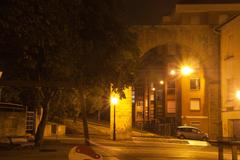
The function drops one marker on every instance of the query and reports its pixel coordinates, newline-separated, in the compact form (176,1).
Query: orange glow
(114,100)
(186,70)
(238,94)
(161,82)
(172,72)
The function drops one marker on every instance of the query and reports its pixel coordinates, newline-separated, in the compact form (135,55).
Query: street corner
(83,152)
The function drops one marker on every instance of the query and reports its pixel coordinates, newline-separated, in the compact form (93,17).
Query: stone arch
(199,40)
(162,54)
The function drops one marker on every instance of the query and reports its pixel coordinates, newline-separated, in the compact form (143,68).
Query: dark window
(195,84)
(171,87)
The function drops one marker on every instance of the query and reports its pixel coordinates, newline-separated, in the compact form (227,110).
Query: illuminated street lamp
(238,94)
(114,101)
(161,82)
(172,72)
(186,70)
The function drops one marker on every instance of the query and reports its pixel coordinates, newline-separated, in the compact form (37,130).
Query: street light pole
(114,101)
(114,122)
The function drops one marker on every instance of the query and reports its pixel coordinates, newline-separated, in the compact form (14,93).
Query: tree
(39,31)
(79,40)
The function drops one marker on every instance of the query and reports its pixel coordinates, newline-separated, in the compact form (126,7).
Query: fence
(165,129)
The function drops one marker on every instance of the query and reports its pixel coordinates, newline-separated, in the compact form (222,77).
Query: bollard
(220,151)
(234,152)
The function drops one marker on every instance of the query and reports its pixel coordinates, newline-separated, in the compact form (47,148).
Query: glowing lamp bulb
(161,82)
(114,100)
(238,94)
(172,72)
(186,70)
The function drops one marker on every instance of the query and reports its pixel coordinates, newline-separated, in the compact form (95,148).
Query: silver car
(189,132)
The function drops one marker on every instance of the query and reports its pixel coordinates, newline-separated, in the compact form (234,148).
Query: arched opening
(166,97)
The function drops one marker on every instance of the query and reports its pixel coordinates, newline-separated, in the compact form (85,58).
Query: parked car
(189,132)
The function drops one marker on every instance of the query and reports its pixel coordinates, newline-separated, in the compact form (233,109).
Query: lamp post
(114,101)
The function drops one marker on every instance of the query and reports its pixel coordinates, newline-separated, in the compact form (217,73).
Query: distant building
(188,33)
(230,76)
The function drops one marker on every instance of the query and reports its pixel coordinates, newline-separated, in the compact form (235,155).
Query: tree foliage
(79,41)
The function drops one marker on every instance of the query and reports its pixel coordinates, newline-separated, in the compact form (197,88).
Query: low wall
(54,129)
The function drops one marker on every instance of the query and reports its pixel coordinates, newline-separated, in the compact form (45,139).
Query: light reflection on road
(198,143)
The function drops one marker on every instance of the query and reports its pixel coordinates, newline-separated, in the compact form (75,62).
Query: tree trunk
(42,124)
(84,118)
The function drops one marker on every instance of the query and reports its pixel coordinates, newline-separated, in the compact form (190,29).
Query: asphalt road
(138,149)
(155,150)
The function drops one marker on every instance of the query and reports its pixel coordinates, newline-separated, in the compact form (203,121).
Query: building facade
(187,36)
(230,76)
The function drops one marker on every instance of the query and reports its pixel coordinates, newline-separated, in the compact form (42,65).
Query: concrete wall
(196,118)
(12,123)
(53,129)
(230,74)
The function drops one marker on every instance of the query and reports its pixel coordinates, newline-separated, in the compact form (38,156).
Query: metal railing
(165,129)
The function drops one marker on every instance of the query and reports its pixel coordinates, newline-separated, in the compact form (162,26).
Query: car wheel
(181,137)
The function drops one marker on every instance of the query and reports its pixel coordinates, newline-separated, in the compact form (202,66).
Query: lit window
(195,84)
(171,106)
(195,104)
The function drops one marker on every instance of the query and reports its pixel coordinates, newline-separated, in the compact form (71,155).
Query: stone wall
(123,115)
(199,41)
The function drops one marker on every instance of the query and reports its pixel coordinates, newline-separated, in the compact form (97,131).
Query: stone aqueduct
(199,41)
